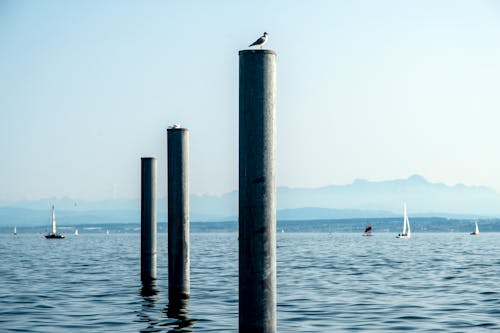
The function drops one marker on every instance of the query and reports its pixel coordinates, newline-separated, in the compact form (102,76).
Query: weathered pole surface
(148,218)
(257,192)
(178,213)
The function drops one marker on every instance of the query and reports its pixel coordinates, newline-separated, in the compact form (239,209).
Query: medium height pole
(178,213)
(148,218)
(257,192)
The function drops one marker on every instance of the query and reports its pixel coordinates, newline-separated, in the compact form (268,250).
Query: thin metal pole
(148,218)
(178,213)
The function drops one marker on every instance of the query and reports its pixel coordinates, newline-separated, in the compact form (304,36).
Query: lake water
(327,282)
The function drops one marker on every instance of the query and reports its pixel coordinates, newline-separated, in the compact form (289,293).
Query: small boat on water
(15,231)
(53,234)
(368,231)
(406,226)
(476,230)
(76,232)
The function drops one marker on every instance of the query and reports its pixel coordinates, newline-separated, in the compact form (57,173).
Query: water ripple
(326,282)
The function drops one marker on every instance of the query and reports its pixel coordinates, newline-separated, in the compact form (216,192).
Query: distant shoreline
(391,225)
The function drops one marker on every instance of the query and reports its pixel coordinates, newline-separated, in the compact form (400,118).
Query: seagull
(261,41)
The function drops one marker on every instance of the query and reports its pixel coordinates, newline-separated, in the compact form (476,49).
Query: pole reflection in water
(149,292)
(175,316)
(177,309)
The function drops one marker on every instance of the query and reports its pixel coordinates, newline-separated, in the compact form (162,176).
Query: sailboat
(53,234)
(406,226)
(15,231)
(476,230)
(76,232)
(368,231)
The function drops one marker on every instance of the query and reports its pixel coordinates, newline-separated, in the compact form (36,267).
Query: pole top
(256,52)
(148,158)
(176,127)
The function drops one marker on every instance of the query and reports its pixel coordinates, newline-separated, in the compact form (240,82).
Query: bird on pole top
(261,41)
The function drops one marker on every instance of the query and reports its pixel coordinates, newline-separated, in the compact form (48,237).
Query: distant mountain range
(361,199)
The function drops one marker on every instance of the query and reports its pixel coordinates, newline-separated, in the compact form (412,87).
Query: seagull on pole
(261,41)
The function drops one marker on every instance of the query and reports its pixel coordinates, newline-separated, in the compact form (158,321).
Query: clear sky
(366,89)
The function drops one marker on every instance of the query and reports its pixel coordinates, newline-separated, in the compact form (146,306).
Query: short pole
(257,202)
(178,213)
(148,218)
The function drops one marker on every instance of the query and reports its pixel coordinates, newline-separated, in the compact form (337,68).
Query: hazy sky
(366,89)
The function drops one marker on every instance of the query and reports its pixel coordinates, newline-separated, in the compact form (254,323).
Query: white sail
(476,229)
(408,231)
(404,221)
(406,225)
(15,230)
(53,220)
(76,232)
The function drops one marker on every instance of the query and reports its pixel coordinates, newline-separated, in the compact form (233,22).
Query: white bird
(174,126)
(261,41)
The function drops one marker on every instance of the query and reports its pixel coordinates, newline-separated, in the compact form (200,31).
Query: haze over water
(327,282)
(366,89)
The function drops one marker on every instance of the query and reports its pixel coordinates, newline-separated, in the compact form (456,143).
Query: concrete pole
(257,192)
(149,289)
(148,218)
(178,213)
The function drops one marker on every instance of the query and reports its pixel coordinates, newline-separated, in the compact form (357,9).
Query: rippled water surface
(447,282)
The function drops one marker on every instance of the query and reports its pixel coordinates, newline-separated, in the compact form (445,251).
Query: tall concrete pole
(178,213)
(257,192)
(148,218)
